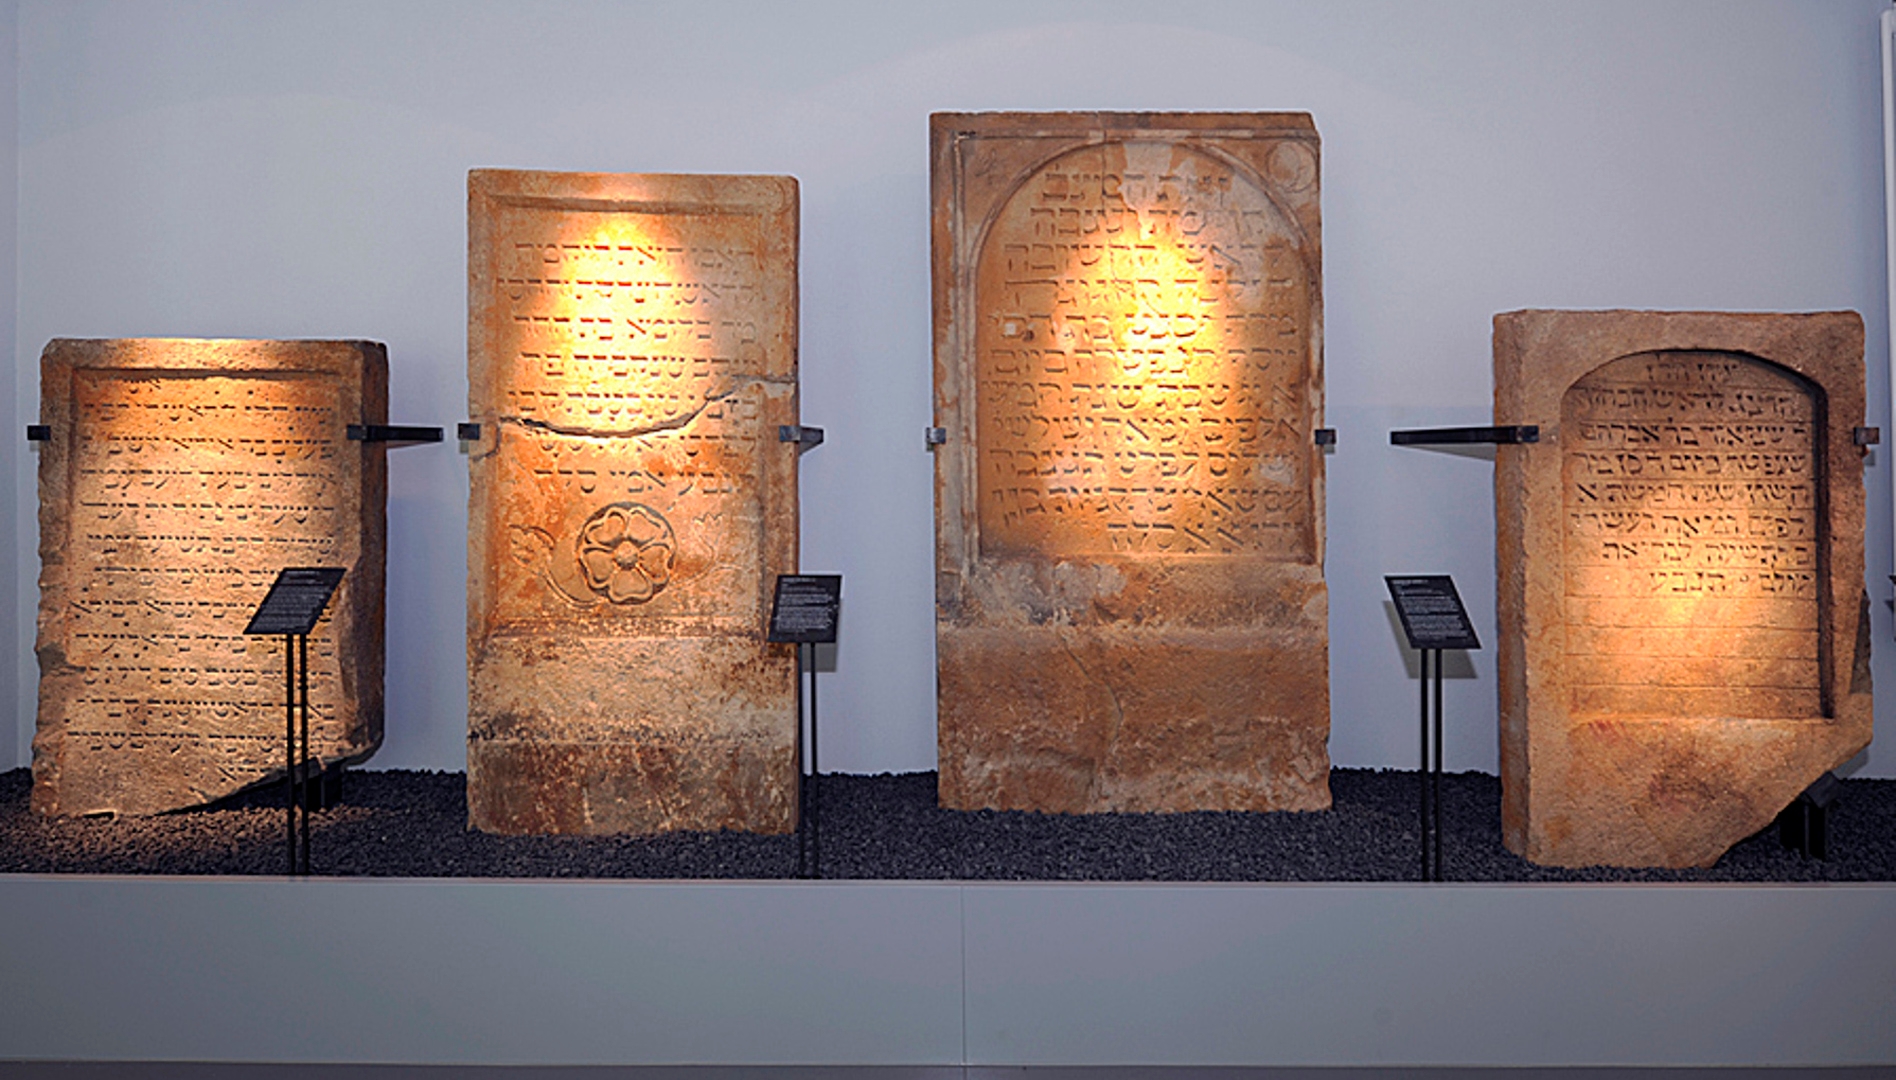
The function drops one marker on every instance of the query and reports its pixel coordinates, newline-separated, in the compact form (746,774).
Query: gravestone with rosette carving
(631,354)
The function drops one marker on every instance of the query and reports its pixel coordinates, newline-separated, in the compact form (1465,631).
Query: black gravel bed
(398,823)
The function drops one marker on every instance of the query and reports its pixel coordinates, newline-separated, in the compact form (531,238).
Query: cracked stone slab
(631,354)
(1684,637)
(1131,612)
(181,476)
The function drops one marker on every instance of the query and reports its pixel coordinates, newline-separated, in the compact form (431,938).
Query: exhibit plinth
(179,477)
(1130,605)
(1685,639)
(631,357)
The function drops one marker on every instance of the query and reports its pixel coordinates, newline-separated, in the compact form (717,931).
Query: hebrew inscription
(1143,346)
(1692,539)
(631,353)
(182,477)
(1130,606)
(628,380)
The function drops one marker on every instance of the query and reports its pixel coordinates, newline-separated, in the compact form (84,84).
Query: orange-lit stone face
(1130,605)
(1684,638)
(631,354)
(182,476)
(1142,336)
(1691,547)
(633,416)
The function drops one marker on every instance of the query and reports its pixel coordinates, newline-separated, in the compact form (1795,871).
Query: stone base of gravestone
(1684,631)
(1077,720)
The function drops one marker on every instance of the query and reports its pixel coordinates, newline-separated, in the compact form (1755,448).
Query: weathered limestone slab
(1685,641)
(1130,605)
(631,354)
(180,477)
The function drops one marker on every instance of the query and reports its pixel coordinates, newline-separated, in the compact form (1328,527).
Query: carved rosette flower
(625,552)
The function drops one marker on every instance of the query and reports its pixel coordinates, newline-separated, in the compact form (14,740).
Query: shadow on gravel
(413,824)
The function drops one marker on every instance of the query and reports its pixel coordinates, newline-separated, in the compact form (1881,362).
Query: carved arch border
(955,261)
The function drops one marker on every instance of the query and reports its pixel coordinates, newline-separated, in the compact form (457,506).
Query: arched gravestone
(1684,628)
(1131,612)
(631,354)
(180,476)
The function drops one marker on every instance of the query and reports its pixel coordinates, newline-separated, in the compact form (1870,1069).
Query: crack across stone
(674,423)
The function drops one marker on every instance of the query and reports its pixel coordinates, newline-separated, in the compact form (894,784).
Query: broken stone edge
(1597,795)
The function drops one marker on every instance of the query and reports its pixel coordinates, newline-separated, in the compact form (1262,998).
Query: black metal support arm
(1510,434)
(392,433)
(804,436)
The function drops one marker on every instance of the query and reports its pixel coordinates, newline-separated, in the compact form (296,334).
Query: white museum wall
(266,170)
(16,653)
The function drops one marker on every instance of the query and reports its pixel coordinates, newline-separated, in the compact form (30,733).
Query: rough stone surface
(1685,637)
(1130,605)
(180,477)
(631,354)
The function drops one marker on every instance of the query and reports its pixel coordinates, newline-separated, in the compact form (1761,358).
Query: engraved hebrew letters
(1131,612)
(182,475)
(1684,644)
(632,351)
(1691,546)
(1142,346)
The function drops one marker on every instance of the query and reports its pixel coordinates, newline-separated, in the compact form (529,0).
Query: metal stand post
(803,792)
(302,763)
(1429,779)
(295,769)
(803,612)
(292,607)
(810,795)
(1804,826)
(289,748)
(1433,619)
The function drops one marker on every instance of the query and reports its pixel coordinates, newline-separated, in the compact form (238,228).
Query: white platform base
(887,973)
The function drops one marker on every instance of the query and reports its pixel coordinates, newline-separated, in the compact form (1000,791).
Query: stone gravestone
(631,354)
(1130,604)
(1685,641)
(180,477)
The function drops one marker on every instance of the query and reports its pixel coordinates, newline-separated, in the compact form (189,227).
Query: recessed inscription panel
(1692,540)
(632,350)
(184,484)
(1143,362)
(628,372)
